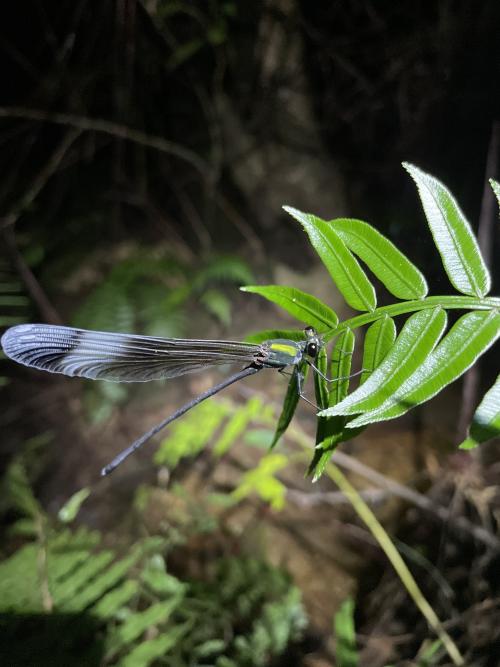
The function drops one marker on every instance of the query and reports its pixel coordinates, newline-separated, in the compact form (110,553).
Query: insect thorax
(283,352)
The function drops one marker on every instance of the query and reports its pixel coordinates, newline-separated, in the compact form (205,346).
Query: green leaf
(340,367)
(289,404)
(379,339)
(345,635)
(67,592)
(223,269)
(392,268)
(486,421)
(417,339)
(188,436)
(302,306)
(150,650)
(429,654)
(331,430)
(13,300)
(320,384)
(270,334)
(217,305)
(262,481)
(155,577)
(452,234)
(259,437)
(93,580)
(237,425)
(470,337)
(25,528)
(17,489)
(342,266)
(210,647)
(495,185)
(71,507)
(139,622)
(109,605)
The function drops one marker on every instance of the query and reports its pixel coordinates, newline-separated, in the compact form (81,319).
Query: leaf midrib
(344,270)
(447,302)
(456,244)
(431,359)
(380,257)
(388,377)
(309,310)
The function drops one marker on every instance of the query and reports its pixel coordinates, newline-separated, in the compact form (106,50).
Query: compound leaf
(416,341)
(342,266)
(392,268)
(486,421)
(452,234)
(304,307)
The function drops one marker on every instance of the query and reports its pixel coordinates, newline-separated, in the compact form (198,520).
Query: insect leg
(300,379)
(327,379)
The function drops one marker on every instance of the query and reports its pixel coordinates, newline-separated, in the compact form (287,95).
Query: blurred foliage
(152,291)
(218,421)
(346,653)
(345,635)
(263,482)
(13,302)
(223,423)
(244,613)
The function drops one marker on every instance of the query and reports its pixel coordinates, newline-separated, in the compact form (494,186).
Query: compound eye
(310,331)
(312,349)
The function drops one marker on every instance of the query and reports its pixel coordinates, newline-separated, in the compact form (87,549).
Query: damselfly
(117,357)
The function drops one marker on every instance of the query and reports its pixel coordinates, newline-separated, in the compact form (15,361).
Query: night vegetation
(158,155)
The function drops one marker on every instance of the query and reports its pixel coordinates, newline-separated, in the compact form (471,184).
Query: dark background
(146,149)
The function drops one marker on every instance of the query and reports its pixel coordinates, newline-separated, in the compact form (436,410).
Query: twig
(304,499)
(41,179)
(37,294)
(115,129)
(241,225)
(375,527)
(32,285)
(400,490)
(471,381)
(42,565)
(418,499)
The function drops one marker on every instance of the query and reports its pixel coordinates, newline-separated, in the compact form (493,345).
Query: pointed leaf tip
(495,186)
(453,236)
(400,276)
(341,264)
(304,307)
(486,421)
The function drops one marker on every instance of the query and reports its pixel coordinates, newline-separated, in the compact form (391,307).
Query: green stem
(400,308)
(385,542)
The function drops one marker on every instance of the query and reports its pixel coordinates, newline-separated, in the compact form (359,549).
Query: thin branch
(37,294)
(115,129)
(32,285)
(418,499)
(470,386)
(295,433)
(241,225)
(306,500)
(41,179)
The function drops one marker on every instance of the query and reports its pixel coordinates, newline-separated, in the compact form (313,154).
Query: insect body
(116,357)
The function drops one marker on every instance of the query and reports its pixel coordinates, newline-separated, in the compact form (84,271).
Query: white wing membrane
(100,355)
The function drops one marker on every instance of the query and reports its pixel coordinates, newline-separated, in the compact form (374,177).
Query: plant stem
(385,542)
(400,308)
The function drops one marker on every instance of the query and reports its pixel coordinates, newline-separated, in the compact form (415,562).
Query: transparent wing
(100,355)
